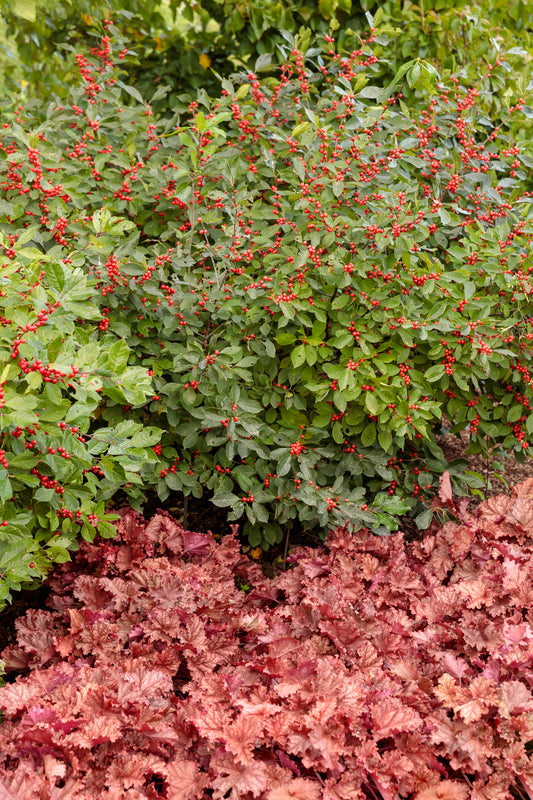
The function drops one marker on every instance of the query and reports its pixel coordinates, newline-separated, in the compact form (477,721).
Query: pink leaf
(5,794)
(516,696)
(445,488)
(16,696)
(96,731)
(296,789)
(390,716)
(184,780)
(238,779)
(445,790)
(195,544)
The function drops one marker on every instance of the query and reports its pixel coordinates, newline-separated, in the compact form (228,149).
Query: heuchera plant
(309,272)
(169,667)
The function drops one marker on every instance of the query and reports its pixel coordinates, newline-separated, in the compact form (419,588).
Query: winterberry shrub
(369,669)
(56,469)
(311,271)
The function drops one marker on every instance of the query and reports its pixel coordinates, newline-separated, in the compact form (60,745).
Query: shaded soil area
(498,472)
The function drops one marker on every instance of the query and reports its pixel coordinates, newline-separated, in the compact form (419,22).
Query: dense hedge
(304,275)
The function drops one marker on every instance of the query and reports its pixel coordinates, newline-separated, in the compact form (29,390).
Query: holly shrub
(289,286)
(52,469)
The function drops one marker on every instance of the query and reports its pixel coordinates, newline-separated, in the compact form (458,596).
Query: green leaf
(5,485)
(435,373)
(101,219)
(284,464)
(106,529)
(132,92)
(391,504)
(84,310)
(58,555)
(261,513)
(270,348)
(299,168)
(372,92)
(298,356)
(310,354)
(285,338)
(187,141)
(117,356)
(514,413)
(385,439)
(20,402)
(55,275)
(263,62)
(223,499)
(340,301)
(146,438)
(368,436)
(247,361)
(340,401)
(249,405)
(174,481)
(337,433)
(413,75)
(6,209)
(457,252)
(25,9)
(200,121)
(470,289)
(327,8)
(423,520)
(371,402)
(338,188)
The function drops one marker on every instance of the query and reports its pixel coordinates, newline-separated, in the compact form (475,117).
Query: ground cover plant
(301,276)
(170,667)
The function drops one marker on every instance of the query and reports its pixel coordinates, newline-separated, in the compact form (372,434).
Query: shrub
(54,472)
(310,278)
(168,666)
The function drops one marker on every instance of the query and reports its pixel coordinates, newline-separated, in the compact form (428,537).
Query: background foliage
(188,45)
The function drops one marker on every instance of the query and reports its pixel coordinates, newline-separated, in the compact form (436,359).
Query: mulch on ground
(499,471)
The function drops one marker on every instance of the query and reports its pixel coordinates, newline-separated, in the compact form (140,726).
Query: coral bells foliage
(371,668)
(307,273)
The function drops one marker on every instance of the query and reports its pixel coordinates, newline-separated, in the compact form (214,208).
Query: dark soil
(498,472)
